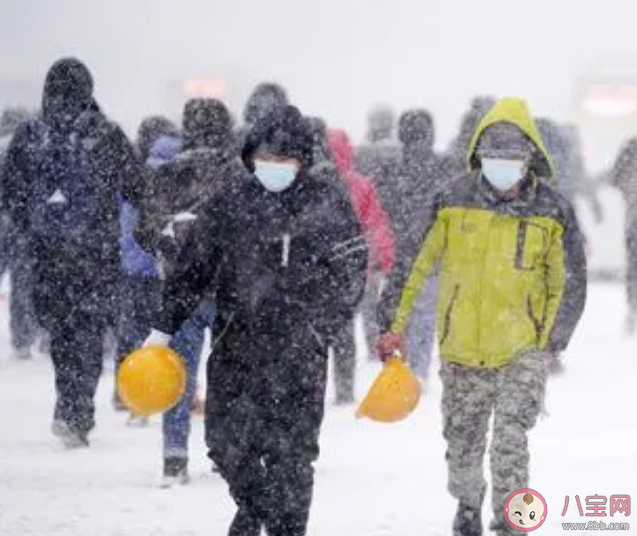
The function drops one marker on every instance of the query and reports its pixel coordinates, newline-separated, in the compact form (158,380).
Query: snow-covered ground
(372,480)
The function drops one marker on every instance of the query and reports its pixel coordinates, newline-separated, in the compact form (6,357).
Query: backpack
(64,203)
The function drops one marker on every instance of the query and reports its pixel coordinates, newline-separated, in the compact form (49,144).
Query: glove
(390,345)
(157,338)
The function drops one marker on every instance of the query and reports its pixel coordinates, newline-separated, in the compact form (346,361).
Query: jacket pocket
(446,330)
(530,245)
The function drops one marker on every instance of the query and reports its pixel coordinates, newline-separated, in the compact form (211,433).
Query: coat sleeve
(194,275)
(409,275)
(566,278)
(335,284)
(379,231)
(128,171)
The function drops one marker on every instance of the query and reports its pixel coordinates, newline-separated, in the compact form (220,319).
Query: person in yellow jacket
(512,290)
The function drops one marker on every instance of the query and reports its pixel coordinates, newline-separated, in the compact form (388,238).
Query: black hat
(283,132)
(206,123)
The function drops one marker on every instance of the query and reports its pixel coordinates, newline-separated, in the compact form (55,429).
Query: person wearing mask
(284,256)
(422,176)
(63,177)
(381,245)
(512,290)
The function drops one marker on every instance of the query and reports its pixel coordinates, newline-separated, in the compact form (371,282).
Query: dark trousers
(369,311)
(75,287)
(262,429)
(23,324)
(344,349)
(77,359)
(16,257)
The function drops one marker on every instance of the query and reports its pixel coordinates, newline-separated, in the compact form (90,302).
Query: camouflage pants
(513,394)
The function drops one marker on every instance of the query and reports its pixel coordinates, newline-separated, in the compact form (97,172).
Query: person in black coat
(283,255)
(73,229)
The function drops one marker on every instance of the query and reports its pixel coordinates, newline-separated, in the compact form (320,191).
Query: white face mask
(275,176)
(503,174)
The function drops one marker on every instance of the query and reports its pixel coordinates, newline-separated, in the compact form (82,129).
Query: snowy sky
(336,56)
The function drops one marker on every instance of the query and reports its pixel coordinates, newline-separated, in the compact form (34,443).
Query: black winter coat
(75,279)
(274,263)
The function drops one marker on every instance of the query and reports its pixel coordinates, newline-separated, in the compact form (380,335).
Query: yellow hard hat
(394,394)
(151,380)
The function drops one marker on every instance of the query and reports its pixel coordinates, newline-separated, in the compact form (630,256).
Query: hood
(264,98)
(284,132)
(516,112)
(342,150)
(207,124)
(68,92)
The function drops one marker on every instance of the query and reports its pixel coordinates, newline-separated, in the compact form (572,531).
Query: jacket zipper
(452,302)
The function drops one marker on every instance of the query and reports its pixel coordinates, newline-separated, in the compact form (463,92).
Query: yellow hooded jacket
(512,273)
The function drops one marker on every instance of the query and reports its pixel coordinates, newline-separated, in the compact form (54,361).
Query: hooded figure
(623,177)
(206,164)
(150,130)
(64,175)
(283,255)
(422,176)
(380,242)
(379,158)
(15,257)
(512,290)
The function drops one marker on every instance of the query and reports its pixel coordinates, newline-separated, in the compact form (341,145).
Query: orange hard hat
(151,380)
(394,394)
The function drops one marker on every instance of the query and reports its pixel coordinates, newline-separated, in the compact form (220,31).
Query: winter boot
(69,438)
(468,521)
(244,524)
(175,472)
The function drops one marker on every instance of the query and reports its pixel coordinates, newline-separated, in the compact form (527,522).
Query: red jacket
(370,213)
